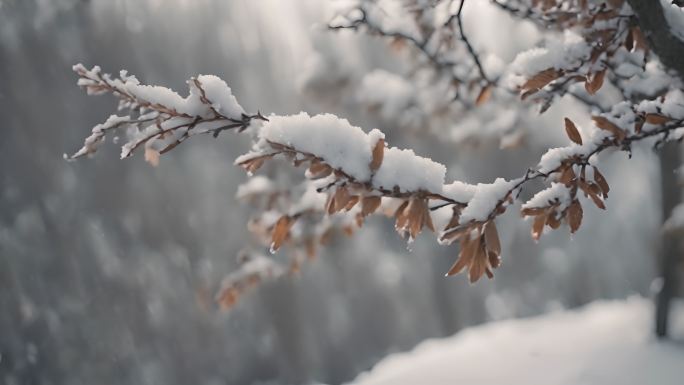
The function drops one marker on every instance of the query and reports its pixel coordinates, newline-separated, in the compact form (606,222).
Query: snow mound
(608,342)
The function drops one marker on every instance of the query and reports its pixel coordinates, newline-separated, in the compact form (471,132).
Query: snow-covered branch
(163,119)
(355,172)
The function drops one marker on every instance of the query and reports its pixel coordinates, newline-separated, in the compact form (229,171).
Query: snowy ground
(606,342)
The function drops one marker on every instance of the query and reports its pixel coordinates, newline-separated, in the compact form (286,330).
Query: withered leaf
(253,164)
(597,200)
(342,197)
(639,125)
(605,124)
(378,154)
(494,259)
(416,215)
(541,79)
(352,202)
(369,204)
(572,131)
(533,211)
(538,226)
(574,216)
(601,181)
(401,216)
(567,176)
(280,231)
(552,220)
(492,237)
(469,247)
(479,264)
(592,86)
(656,119)
(456,233)
(484,95)
(629,40)
(458,266)
(330,204)
(464,256)
(640,41)
(318,169)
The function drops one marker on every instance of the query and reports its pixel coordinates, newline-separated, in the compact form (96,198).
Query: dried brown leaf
(484,95)
(458,266)
(568,176)
(369,204)
(378,154)
(454,234)
(491,236)
(552,220)
(597,200)
(352,202)
(479,264)
(416,210)
(253,164)
(538,226)
(280,231)
(533,211)
(342,197)
(318,169)
(605,124)
(401,216)
(592,86)
(601,181)
(541,79)
(574,216)
(640,41)
(494,259)
(572,131)
(656,119)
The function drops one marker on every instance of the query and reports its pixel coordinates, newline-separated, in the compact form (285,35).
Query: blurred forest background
(107,271)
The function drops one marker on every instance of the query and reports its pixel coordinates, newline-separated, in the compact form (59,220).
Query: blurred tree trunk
(668,47)
(670,251)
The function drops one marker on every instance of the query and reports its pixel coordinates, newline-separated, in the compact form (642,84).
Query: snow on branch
(353,173)
(163,119)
